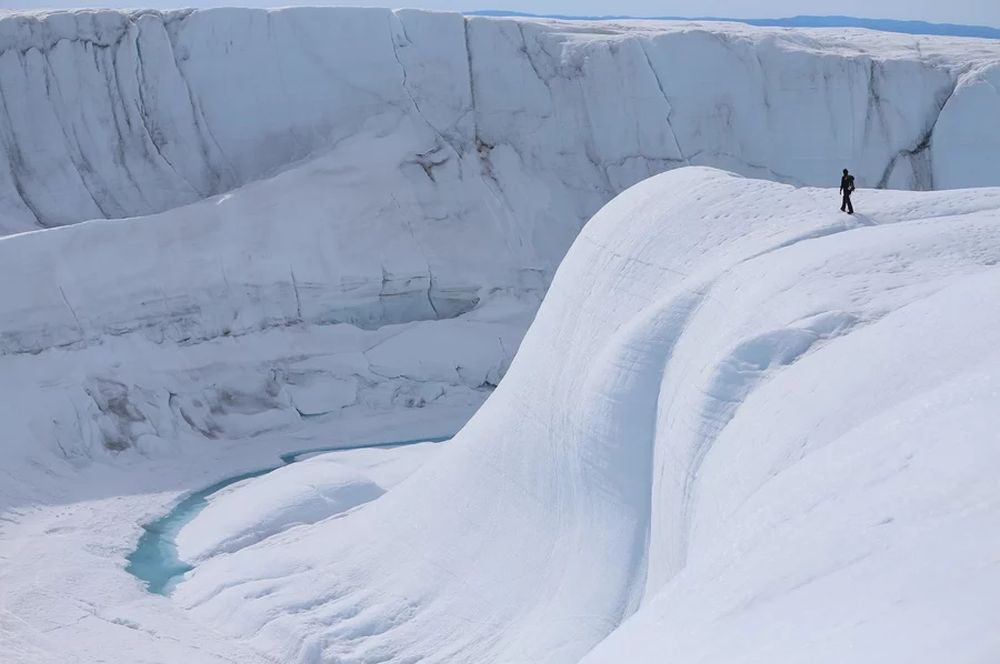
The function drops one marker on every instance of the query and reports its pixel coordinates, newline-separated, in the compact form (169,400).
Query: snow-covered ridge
(743,427)
(114,114)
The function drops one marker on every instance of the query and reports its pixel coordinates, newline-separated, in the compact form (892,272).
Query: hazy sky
(978,12)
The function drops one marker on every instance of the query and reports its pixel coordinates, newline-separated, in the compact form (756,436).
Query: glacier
(302,174)
(232,235)
(110,114)
(741,433)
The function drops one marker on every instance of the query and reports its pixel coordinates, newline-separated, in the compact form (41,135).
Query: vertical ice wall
(112,114)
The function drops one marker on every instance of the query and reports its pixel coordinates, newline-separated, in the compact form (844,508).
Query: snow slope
(320,487)
(742,428)
(116,114)
(66,528)
(382,169)
(336,225)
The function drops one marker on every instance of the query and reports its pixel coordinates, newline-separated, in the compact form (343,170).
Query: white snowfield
(742,428)
(523,127)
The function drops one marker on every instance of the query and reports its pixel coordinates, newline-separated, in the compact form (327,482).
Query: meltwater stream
(155,560)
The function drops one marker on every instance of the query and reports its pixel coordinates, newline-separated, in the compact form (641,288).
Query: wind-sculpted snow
(335,224)
(321,487)
(115,114)
(742,427)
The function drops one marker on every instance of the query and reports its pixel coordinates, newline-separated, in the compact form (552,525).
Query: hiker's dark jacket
(847,185)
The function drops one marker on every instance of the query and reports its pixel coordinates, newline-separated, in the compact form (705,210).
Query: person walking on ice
(847,188)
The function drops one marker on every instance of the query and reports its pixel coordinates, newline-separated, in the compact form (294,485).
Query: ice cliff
(115,114)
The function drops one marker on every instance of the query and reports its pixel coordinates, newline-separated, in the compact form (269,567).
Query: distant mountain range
(885,25)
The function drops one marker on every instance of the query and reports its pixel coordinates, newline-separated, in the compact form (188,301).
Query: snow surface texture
(66,528)
(517,127)
(341,222)
(319,488)
(742,428)
(160,397)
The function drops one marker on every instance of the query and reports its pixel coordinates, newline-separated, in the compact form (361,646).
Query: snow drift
(742,427)
(116,114)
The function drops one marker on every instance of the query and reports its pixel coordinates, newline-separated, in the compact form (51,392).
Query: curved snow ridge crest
(689,362)
(734,377)
(870,489)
